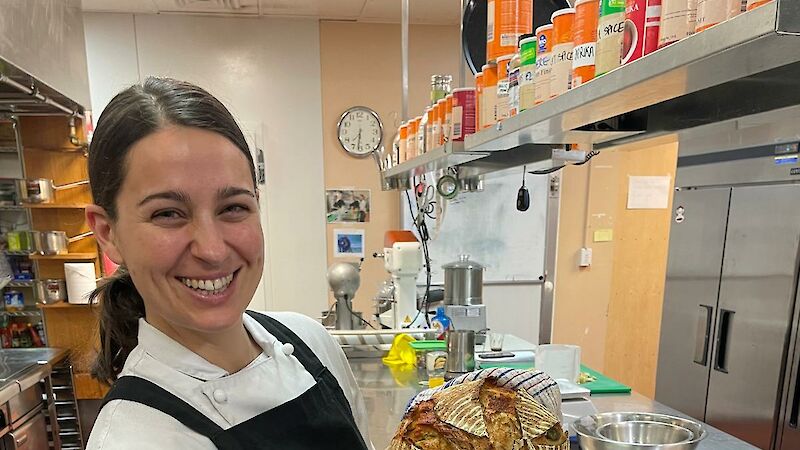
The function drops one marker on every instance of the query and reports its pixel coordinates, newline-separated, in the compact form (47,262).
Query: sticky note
(604,235)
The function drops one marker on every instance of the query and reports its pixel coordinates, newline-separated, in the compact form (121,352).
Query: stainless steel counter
(20,367)
(387,394)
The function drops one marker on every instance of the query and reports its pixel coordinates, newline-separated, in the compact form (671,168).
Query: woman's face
(188,229)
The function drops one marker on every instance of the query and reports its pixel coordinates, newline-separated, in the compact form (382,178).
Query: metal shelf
(742,67)
(450,154)
(21,283)
(23,313)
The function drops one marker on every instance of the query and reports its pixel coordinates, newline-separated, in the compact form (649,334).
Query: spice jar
(585,37)
(563,45)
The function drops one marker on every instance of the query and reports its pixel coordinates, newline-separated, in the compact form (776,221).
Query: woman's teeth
(208,286)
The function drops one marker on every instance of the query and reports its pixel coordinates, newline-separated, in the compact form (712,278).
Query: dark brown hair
(133,114)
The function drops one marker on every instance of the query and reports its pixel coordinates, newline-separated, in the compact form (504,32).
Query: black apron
(320,418)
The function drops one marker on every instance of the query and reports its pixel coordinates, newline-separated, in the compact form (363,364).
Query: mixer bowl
(644,432)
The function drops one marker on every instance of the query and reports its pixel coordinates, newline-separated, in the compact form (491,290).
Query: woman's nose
(208,243)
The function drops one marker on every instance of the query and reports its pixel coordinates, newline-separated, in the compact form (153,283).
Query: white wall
(267,72)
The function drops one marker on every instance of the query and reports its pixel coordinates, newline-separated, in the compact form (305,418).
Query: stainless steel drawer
(25,402)
(31,435)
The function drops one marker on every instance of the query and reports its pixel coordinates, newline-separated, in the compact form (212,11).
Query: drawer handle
(20,441)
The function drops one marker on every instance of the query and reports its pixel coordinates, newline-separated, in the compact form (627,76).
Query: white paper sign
(648,192)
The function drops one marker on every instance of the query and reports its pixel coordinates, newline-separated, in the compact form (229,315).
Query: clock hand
(358,144)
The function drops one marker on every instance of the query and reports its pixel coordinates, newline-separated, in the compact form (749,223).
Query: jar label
(583,55)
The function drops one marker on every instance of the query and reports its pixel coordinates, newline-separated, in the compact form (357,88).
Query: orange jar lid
(502,66)
(489,75)
(403,131)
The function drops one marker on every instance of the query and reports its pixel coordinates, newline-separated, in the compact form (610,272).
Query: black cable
(422,230)
(347,305)
(589,156)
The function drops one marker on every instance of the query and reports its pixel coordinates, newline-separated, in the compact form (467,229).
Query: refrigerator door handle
(703,335)
(723,332)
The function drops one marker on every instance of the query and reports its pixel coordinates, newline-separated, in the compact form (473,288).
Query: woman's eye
(236,210)
(167,215)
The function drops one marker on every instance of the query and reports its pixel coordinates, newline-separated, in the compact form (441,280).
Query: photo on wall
(347,205)
(348,243)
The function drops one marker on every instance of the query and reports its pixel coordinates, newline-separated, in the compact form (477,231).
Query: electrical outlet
(585,257)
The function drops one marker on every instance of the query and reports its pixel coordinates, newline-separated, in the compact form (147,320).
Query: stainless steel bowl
(644,432)
(587,428)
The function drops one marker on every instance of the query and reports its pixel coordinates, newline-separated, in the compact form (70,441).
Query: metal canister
(460,353)
(50,290)
(463,282)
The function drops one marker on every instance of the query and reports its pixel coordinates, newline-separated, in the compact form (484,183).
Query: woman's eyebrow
(231,191)
(177,196)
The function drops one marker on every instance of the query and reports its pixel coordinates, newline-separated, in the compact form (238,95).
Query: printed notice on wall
(648,192)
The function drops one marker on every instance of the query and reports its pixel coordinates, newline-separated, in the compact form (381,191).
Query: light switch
(586,257)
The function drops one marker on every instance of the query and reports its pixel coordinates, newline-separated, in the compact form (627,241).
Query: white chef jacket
(270,380)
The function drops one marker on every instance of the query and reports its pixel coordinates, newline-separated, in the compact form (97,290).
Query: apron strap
(302,352)
(146,392)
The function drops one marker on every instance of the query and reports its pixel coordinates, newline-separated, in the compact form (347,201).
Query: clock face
(360,131)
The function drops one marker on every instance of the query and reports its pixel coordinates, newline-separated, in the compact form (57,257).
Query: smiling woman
(176,205)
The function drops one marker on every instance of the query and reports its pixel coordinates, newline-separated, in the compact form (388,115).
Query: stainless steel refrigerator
(729,305)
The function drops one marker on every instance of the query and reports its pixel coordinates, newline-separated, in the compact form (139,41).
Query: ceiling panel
(134,6)
(325,9)
(249,7)
(439,12)
(444,12)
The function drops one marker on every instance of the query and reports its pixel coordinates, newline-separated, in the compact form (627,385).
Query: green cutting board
(603,384)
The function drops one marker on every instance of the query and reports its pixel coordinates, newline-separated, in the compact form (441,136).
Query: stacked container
(513,85)
(563,45)
(448,118)
(710,13)
(642,23)
(585,37)
(478,101)
(502,106)
(402,156)
(610,31)
(506,21)
(488,100)
(464,113)
(528,61)
(678,20)
(543,58)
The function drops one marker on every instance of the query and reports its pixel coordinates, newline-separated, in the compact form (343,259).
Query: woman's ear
(102,226)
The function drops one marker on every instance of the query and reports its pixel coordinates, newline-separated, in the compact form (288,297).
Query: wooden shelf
(62,305)
(66,257)
(76,150)
(52,206)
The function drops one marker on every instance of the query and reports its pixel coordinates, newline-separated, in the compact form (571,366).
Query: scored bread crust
(480,415)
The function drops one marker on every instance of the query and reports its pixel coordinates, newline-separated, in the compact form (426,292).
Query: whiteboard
(487,226)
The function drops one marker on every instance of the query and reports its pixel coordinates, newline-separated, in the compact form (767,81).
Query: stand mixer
(402,258)
(344,280)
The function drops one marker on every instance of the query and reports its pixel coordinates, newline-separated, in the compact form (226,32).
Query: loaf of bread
(480,415)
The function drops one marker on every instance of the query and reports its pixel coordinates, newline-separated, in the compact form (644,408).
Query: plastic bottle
(36,340)
(441,323)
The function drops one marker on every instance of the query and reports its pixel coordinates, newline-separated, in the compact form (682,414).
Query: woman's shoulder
(125,425)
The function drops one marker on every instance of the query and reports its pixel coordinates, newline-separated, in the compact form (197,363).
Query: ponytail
(121,306)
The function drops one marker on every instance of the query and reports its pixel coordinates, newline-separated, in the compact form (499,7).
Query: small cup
(496,340)
(435,363)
